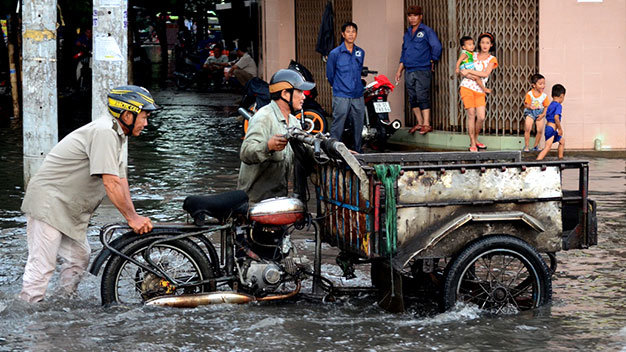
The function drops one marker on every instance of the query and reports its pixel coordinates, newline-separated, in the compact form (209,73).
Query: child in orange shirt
(535,104)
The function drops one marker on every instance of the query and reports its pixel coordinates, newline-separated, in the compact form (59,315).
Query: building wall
(380,35)
(582,45)
(278,37)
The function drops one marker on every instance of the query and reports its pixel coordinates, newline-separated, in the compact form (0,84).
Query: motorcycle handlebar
(245,113)
(365,71)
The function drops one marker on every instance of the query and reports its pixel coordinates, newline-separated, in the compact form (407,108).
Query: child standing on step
(535,104)
(554,116)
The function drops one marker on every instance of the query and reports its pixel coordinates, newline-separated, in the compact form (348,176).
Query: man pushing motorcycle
(266,157)
(79,171)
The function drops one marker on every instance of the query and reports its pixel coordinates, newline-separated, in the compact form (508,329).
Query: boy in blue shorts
(554,116)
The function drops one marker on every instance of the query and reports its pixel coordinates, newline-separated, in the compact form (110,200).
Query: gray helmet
(130,98)
(289,79)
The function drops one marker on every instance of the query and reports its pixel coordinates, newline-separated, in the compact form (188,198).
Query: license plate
(382,107)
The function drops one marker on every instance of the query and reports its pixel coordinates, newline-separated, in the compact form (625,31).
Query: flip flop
(481,146)
(473,149)
(415,129)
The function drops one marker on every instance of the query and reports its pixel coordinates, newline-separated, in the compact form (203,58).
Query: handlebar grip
(245,113)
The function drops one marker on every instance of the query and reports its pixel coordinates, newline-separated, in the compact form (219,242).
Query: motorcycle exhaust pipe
(200,299)
(225,297)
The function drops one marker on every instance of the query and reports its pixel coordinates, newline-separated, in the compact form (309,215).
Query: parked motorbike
(377,127)
(313,117)
(189,72)
(178,265)
(83,71)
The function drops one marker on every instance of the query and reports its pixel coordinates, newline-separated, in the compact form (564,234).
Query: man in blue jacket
(421,50)
(343,70)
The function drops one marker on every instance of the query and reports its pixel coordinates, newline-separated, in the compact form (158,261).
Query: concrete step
(442,140)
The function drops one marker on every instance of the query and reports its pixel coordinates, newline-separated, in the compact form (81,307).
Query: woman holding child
(472,94)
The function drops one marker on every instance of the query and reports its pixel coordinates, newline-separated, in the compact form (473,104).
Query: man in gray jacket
(266,157)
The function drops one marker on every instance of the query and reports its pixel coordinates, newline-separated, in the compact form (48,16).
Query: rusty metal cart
(484,227)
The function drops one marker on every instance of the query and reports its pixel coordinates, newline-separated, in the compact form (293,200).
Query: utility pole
(39,82)
(110,51)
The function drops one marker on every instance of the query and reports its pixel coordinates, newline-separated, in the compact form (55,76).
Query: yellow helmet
(130,98)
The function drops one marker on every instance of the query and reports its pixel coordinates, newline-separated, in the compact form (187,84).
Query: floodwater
(191,147)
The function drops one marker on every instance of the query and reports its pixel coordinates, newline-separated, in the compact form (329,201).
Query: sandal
(473,149)
(526,150)
(481,146)
(415,129)
(425,129)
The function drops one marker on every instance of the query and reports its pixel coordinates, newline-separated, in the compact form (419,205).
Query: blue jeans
(533,113)
(352,108)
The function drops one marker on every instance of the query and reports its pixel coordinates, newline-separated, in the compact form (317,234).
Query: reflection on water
(191,147)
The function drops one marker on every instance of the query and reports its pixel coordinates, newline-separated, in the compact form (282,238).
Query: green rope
(388,174)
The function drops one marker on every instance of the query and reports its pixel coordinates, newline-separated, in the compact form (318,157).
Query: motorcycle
(178,265)
(190,72)
(83,71)
(377,127)
(312,116)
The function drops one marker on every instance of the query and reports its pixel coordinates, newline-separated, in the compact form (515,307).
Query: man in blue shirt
(421,50)
(343,70)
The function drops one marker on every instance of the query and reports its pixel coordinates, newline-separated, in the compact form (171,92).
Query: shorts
(418,88)
(551,132)
(472,99)
(533,113)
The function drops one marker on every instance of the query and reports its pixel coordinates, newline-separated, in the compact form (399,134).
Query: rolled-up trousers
(45,243)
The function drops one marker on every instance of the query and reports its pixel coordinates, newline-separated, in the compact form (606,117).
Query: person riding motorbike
(266,156)
(73,180)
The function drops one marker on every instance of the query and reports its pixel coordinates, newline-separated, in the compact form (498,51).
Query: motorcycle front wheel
(124,282)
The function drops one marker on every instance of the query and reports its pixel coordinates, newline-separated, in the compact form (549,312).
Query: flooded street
(192,147)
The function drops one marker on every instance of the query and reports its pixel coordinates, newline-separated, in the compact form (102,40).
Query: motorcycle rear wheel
(126,283)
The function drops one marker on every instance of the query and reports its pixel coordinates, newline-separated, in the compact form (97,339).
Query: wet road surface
(191,147)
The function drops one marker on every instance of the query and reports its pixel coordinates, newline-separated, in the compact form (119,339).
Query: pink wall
(381,25)
(583,47)
(279,38)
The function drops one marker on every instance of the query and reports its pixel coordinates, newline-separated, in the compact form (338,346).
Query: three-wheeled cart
(484,227)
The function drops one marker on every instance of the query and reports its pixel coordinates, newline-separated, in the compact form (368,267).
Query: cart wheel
(498,273)
(314,122)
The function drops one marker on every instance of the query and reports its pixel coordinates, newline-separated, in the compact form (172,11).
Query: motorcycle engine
(263,276)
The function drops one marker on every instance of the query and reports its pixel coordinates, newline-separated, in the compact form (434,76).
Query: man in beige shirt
(74,178)
(244,69)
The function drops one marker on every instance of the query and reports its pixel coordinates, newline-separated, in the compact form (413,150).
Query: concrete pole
(110,51)
(39,82)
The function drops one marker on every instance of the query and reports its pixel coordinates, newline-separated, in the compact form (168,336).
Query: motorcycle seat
(220,206)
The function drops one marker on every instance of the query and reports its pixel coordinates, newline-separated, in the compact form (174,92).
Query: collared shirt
(263,173)
(419,48)
(343,70)
(246,63)
(68,187)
